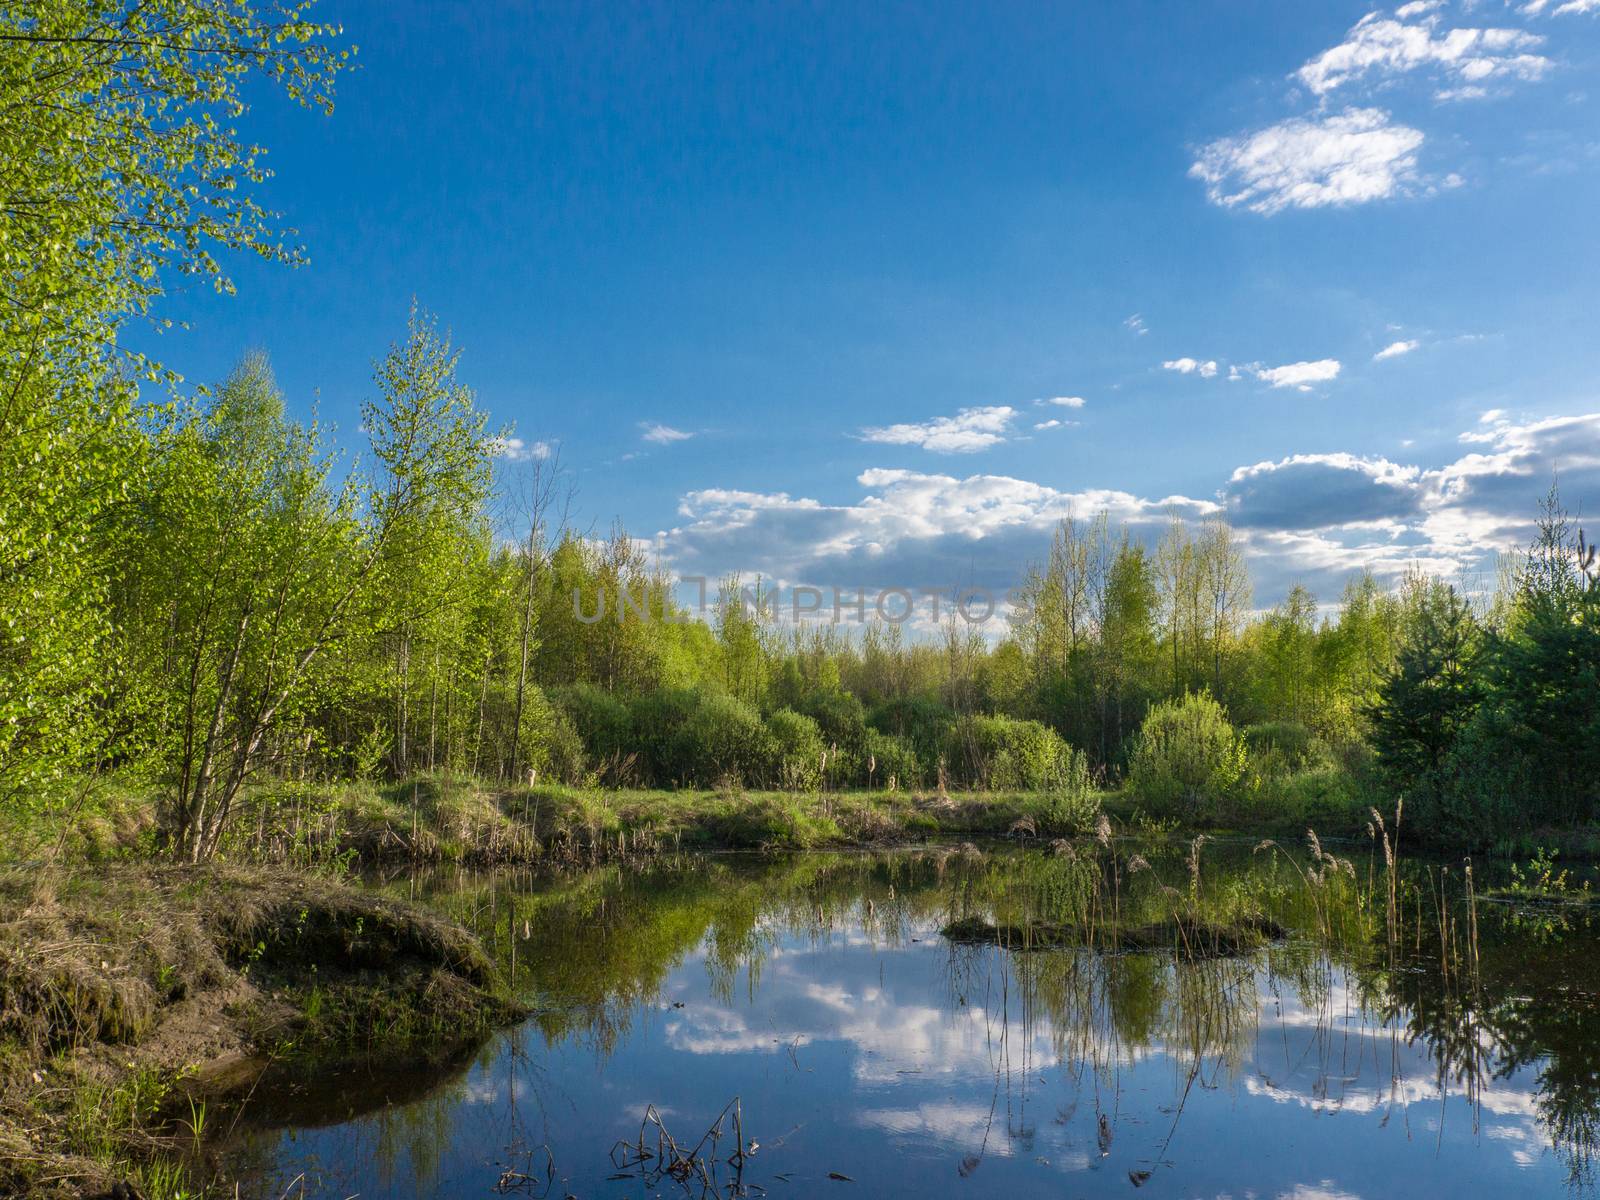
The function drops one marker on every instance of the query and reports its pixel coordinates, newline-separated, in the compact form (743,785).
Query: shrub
(603,723)
(1188,760)
(888,757)
(842,724)
(553,745)
(1485,791)
(1072,805)
(1287,745)
(657,718)
(769,822)
(1008,755)
(564,756)
(723,738)
(840,719)
(797,748)
(918,721)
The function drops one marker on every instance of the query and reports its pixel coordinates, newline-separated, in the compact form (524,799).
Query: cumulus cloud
(907,526)
(662,435)
(1063,401)
(514,449)
(1192,366)
(1299,375)
(1352,157)
(1312,518)
(1396,349)
(1053,423)
(1486,498)
(970,430)
(1380,47)
(1322,491)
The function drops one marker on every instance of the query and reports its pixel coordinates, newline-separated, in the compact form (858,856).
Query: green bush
(769,822)
(840,719)
(887,758)
(722,739)
(919,722)
(1485,791)
(563,750)
(1005,754)
(1072,805)
(1326,794)
(1187,760)
(604,724)
(842,723)
(658,719)
(1288,745)
(797,749)
(550,742)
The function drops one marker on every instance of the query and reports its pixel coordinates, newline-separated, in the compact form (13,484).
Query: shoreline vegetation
(438,819)
(141,1000)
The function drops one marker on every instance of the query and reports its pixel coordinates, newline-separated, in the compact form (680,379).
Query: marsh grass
(443,818)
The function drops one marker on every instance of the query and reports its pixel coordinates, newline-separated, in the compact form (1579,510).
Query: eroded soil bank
(137,1002)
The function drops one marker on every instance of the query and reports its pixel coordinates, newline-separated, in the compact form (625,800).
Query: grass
(1189,935)
(439,818)
(126,988)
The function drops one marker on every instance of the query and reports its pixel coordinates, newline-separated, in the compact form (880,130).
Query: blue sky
(848,250)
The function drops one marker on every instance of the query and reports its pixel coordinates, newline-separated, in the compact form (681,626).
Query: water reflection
(1342,1061)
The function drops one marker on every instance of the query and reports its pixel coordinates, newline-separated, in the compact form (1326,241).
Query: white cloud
(1396,349)
(1136,323)
(908,525)
(1534,7)
(1314,518)
(1063,401)
(1323,491)
(1192,366)
(1299,375)
(1486,498)
(706,1029)
(1416,8)
(970,430)
(662,435)
(514,449)
(1325,1190)
(1054,423)
(1352,157)
(1380,46)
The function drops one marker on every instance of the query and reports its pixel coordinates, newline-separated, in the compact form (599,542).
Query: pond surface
(1420,1046)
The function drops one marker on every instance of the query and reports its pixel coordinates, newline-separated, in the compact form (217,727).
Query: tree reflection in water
(1334,1019)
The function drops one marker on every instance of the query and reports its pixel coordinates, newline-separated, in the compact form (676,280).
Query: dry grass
(124,988)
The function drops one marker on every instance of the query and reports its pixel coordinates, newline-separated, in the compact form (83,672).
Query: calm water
(859,1042)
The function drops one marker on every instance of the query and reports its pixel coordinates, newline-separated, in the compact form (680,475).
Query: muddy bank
(137,1003)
